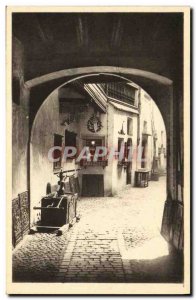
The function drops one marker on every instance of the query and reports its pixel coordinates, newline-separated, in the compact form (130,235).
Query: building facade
(118,116)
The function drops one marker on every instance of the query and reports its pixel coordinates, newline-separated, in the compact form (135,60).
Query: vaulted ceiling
(57,41)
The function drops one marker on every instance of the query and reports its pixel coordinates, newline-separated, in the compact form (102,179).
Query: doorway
(160,99)
(92,185)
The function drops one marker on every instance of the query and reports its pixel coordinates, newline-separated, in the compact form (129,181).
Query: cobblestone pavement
(38,256)
(117,240)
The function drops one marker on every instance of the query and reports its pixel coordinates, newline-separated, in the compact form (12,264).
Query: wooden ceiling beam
(82,32)
(43,35)
(116,36)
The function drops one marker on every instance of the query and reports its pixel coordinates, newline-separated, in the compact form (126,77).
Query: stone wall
(20,123)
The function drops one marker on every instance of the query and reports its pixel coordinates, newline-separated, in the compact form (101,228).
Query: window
(130,126)
(92,144)
(145,127)
(57,153)
(128,148)
(121,145)
(70,140)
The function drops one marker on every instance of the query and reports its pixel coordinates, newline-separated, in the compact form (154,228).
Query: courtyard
(116,240)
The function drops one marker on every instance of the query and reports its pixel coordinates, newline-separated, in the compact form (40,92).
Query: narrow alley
(98,188)
(116,240)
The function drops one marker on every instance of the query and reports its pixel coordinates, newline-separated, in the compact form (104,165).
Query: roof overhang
(97,96)
(124,108)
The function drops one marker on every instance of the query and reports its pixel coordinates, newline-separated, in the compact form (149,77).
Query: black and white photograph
(99,157)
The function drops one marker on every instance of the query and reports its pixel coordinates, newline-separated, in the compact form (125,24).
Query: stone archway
(159,87)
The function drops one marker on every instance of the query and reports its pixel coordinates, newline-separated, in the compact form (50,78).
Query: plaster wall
(47,123)
(150,113)
(119,173)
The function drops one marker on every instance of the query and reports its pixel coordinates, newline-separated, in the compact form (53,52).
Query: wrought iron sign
(122,129)
(94,124)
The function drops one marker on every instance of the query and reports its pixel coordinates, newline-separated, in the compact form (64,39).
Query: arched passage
(63,41)
(158,87)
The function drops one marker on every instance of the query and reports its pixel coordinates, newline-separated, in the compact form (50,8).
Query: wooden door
(16,222)
(129,173)
(92,185)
